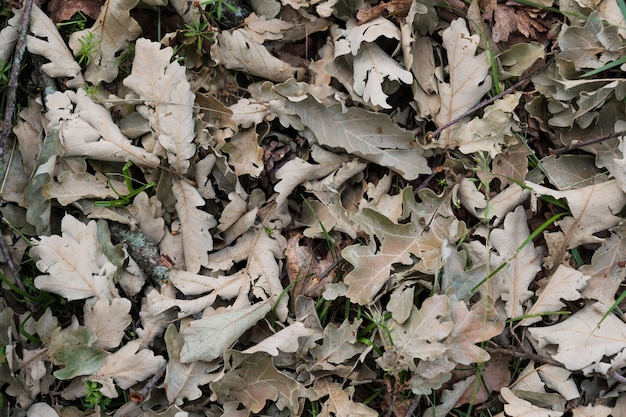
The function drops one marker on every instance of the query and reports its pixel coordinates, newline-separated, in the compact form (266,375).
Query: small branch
(414,403)
(524,355)
(582,143)
(144,252)
(485,103)
(20,49)
(140,395)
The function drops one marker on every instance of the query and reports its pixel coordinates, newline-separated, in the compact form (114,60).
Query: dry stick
(20,49)
(485,103)
(580,144)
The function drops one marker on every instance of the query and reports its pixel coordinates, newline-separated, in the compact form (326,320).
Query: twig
(524,355)
(140,395)
(144,252)
(485,103)
(414,403)
(581,143)
(20,49)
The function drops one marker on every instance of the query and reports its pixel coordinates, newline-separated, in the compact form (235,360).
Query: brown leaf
(395,8)
(307,272)
(62,10)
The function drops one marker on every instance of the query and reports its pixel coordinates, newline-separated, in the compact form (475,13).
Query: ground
(316,208)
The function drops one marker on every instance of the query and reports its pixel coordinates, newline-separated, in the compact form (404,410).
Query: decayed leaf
(245,154)
(285,340)
(47,42)
(297,171)
(494,130)
(73,186)
(339,402)
(253,380)
(183,381)
(38,207)
(516,407)
(594,208)
(465,88)
(127,366)
(195,225)
(605,269)
(372,265)
(422,335)
(111,33)
(238,50)
(372,136)
(73,349)
(71,276)
(564,284)
(168,101)
(87,129)
(208,338)
(523,263)
(339,345)
(582,341)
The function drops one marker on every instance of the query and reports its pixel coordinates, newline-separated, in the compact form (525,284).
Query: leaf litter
(326,208)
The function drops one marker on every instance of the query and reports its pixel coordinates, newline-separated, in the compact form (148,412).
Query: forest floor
(313,208)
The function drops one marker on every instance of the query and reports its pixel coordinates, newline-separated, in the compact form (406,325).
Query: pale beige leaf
(111,34)
(373,69)
(523,263)
(168,101)
(564,284)
(183,381)
(285,340)
(73,186)
(71,276)
(560,380)
(263,384)
(244,153)
(422,336)
(469,77)
(493,131)
(594,208)
(87,129)
(208,338)
(195,225)
(47,42)
(239,51)
(108,320)
(516,407)
(372,136)
(340,402)
(126,367)
(582,341)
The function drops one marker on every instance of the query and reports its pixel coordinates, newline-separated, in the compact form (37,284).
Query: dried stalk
(20,49)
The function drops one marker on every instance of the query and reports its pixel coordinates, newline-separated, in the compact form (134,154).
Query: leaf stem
(485,103)
(580,144)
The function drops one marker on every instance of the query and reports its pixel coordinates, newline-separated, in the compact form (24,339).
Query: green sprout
(126,199)
(94,396)
(199,32)
(88,46)
(216,8)
(78,21)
